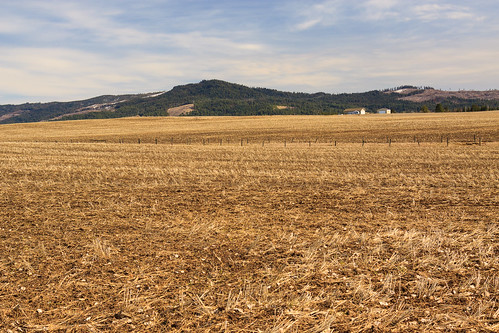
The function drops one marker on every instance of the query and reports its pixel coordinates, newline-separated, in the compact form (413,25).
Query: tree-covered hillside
(220,98)
(33,112)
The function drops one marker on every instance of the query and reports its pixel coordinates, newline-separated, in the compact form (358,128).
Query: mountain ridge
(221,98)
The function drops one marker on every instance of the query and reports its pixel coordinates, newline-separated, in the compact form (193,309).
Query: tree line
(220,98)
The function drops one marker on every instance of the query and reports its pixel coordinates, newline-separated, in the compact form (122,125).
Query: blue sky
(66,49)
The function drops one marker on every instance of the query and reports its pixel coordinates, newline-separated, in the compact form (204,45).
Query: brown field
(257,224)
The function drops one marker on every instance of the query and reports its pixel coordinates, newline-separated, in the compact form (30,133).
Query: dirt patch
(404,91)
(10,115)
(433,94)
(91,108)
(180,110)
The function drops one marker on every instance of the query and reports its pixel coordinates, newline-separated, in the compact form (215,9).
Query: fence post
(335,143)
(138,141)
(447,141)
(362,142)
(241,142)
(480,141)
(156,140)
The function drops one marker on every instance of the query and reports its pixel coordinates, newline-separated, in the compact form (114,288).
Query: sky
(62,50)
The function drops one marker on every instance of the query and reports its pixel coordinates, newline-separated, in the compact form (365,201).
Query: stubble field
(259,224)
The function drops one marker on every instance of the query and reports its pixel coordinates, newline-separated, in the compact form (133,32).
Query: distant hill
(220,98)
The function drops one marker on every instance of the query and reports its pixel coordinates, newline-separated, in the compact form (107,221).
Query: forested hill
(220,98)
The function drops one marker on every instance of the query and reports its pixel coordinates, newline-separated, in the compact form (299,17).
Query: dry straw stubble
(192,237)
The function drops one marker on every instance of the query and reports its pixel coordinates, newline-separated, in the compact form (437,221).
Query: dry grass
(209,238)
(432,127)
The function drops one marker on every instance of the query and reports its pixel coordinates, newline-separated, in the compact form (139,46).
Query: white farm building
(355,111)
(384,111)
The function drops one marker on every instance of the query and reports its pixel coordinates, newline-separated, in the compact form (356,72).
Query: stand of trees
(220,98)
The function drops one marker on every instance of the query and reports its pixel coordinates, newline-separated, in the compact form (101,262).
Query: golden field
(254,224)
(374,128)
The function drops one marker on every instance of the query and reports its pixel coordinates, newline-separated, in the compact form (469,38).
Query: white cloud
(381,9)
(65,74)
(332,12)
(52,74)
(71,49)
(12,25)
(55,74)
(198,42)
(444,67)
(75,22)
(325,13)
(309,23)
(433,12)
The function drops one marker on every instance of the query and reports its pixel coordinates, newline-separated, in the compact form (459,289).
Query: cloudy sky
(75,49)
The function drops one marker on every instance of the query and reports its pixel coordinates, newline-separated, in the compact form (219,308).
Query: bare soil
(181,110)
(195,235)
(433,94)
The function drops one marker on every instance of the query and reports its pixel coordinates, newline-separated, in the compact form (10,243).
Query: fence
(472,139)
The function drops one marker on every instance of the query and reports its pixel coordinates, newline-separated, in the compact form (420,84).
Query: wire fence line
(447,140)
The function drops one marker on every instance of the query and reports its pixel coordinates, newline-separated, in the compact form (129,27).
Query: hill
(33,112)
(441,95)
(220,98)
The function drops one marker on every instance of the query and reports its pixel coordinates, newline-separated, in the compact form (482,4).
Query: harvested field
(100,233)
(459,127)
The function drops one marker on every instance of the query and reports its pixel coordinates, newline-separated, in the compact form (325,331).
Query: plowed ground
(248,236)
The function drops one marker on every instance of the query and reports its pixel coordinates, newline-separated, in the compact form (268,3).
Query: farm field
(254,224)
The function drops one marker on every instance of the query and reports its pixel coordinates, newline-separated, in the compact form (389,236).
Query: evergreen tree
(439,108)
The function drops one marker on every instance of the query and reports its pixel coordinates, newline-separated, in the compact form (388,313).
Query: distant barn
(355,111)
(384,111)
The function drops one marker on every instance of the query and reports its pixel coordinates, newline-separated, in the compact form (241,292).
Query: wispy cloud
(375,10)
(69,49)
(50,73)
(325,13)
(434,11)
(342,12)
